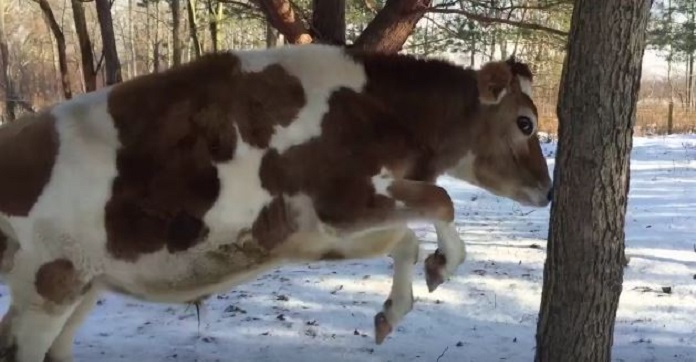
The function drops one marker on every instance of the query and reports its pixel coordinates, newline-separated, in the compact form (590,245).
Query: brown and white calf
(174,186)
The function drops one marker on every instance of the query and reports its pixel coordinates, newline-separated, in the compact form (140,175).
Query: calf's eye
(525,125)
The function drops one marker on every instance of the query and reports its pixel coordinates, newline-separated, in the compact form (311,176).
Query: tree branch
(487,20)
(281,15)
(546,6)
(392,25)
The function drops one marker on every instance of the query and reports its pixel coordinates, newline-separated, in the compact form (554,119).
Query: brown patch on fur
(434,200)
(173,126)
(416,117)
(519,69)
(58,282)
(28,149)
(274,224)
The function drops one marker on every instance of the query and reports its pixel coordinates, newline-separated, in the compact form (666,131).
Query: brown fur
(28,149)
(58,282)
(172,125)
(416,133)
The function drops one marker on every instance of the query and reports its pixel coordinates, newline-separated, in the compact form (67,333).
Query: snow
(487,312)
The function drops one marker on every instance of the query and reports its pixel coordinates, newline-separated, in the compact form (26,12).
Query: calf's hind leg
(400,300)
(43,298)
(62,348)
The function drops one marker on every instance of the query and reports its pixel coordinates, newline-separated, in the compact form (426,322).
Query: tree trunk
(215,13)
(176,32)
(89,74)
(392,25)
(583,274)
(60,45)
(132,42)
(10,105)
(690,82)
(193,27)
(113,65)
(329,21)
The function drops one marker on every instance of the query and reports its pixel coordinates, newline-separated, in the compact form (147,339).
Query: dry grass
(650,119)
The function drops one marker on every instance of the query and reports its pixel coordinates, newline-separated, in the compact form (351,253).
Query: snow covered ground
(324,312)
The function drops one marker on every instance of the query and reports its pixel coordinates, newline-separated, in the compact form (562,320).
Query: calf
(173,186)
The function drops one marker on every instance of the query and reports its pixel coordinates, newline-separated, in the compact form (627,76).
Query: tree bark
(10,102)
(282,16)
(89,73)
(132,41)
(392,26)
(176,32)
(583,274)
(60,45)
(329,22)
(113,65)
(215,13)
(193,27)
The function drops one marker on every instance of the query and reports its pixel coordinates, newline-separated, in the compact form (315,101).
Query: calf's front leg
(450,253)
(392,203)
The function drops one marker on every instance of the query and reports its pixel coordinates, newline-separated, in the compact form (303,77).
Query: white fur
(451,244)
(321,69)
(525,85)
(497,100)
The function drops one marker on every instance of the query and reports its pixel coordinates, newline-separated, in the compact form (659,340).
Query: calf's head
(505,156)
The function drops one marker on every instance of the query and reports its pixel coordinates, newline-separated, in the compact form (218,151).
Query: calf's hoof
(435,265)
(382,327)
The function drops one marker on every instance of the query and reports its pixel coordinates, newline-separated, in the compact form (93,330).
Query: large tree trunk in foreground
(583,274)
(113,65)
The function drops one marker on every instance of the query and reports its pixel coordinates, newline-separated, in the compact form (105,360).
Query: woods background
(53,49)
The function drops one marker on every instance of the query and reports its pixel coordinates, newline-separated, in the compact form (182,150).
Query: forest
(54,49)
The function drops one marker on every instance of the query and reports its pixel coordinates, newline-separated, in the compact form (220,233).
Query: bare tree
(60,45)
(583,274)
(113,65)
(215,16)
(193,27)
(176,31)
(89,73)
(10,112)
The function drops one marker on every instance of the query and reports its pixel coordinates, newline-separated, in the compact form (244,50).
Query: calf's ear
(493,80)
